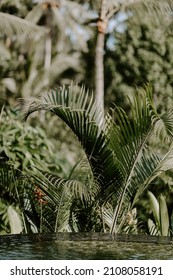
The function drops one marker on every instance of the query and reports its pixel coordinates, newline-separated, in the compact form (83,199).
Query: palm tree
(118,149)
(152,10)
(52,59)
(59,51)
(14,30)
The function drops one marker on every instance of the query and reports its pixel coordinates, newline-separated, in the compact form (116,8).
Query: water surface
(84,247)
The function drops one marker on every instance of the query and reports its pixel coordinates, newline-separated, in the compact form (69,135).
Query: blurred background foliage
(135,53)
(140,53)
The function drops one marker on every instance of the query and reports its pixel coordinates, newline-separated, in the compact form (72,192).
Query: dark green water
(84,250)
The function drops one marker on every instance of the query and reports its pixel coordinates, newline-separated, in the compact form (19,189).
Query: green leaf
(164,216)
(15,220)
(155,207)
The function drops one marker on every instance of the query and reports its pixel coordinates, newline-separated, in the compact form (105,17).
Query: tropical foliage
(45,44)
(45,202)
(41,62)
(23,145)
(118,151)
(137,56)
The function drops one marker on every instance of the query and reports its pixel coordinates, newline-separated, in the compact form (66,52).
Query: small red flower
(39,195)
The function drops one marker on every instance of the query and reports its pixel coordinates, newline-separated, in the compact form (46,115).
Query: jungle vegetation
(93,82)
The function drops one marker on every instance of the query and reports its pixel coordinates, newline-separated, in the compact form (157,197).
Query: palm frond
(14,26)
(129,140)
(129,135)
(164,126)
(153,10)
(153,230)
(59,194)
(82,172)
(161,165)
(80,113)
(107,215)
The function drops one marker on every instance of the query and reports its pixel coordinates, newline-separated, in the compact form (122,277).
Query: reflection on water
(78,250)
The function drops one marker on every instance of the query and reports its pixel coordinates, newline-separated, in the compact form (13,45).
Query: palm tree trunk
(99,56)
(47,60)
(48,52)
(48,49)
(99,70)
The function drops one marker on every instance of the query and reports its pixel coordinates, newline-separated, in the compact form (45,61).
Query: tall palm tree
(118,149)
(52,59)
(59,51)
(152,10)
